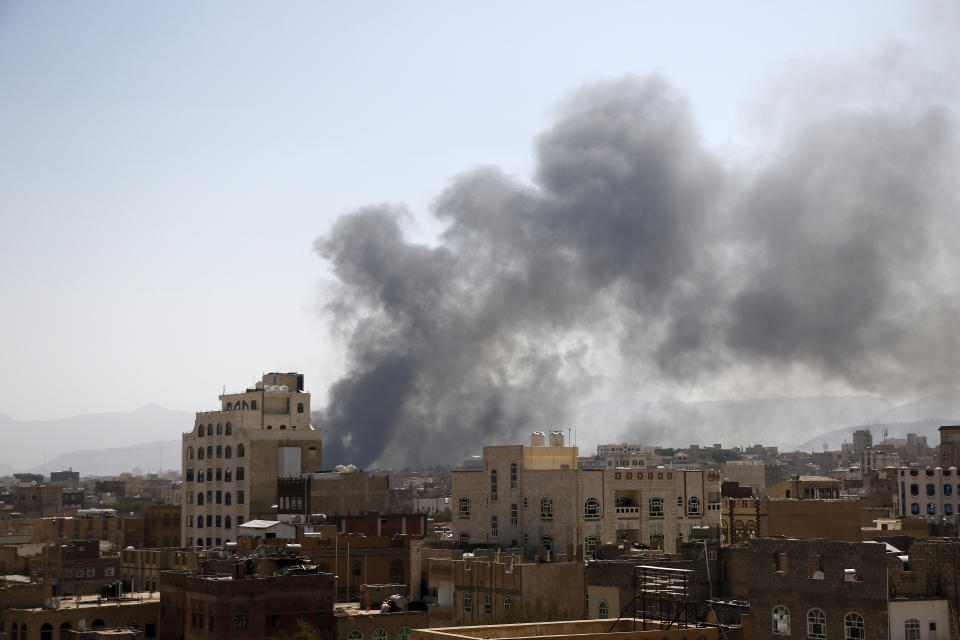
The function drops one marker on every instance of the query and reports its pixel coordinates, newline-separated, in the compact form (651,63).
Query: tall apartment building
(537,497)
(233,457)
(949,446)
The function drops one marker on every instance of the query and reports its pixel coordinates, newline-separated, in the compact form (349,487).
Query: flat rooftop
(92,602)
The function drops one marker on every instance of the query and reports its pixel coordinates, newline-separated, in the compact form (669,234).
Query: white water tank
(556,438)
(538,439)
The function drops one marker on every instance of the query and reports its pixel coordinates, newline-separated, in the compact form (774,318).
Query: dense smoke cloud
(639,250)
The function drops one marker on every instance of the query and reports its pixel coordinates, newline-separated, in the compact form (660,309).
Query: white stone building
(535,496)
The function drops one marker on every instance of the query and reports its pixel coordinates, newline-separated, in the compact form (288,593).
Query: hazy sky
(166,167)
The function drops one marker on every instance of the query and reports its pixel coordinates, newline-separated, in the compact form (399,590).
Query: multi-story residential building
(873,458)
(931,492)
(537,497)
(233,457)
(75,567)
(949,446)
(159,528)
(806,488)
(627,455)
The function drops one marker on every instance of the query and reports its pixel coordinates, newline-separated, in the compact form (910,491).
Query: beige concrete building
(536,497)
(233,457)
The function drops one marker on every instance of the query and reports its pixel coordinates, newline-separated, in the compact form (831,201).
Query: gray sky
(166,167)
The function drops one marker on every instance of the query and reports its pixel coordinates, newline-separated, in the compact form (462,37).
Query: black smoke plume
(637,251)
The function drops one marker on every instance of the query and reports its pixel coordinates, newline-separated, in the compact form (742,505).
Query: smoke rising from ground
(639,252)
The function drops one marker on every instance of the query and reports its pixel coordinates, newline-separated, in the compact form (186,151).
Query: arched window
(493,484)
(547,542)
(226,521)
(229,406)
(228,451)
(403,633)
(46,631)
(227,498)
(200,521)
(380,634)
(853,628)
(355,635)
(396,572)
(299,407)
(219,429)
(200,497)
(239,450)
(229,428)
(467,602)
(64,626)
(816,625)
(590,545)
(603,610)
(781,621)
(190,453)
(200,453)
(464,507)
(911,629)
(228,475)
(200,431)
(693,506)
(591,509)
(656,506)
(464,538)
(546,507)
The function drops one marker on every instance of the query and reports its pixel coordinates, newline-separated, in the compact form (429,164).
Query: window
(680,501)
(853,628)
(546,508)
(656,506)
(253,404)
(209,496)
(240,497)
(465,538)
(464,507)
(219,451)
(507,603)
(190,517)
(200,431)
(948,509)
(816,625)
(396,572)
(209,450)
(239,474)
(200,453)
(590,545)
(525,539)
(219,429)
(226,498)
(493,527)
(514,515)
(219,497)
(239,450)
(230,427)
(914,489)
(513,475)
(189,475)
(603,610)
(947,489)
(591,509)
(91,573)
(228,475)
(199,475)
(547,542)
(693,506)
(468,602)
(931,490)
(219,474)
(190,453)
(493,484)
(200,497)
(200,521)
(209,521)
(379,634)
(228,452)
(79,573)
(299,407)
(781,621)
(911,629)
(219,523)
(931,508)
(487,605)
(915,509)
(240,623)
(355,635)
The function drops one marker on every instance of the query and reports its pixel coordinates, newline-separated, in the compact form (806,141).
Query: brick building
(345,493)
(45,621)
(75,567)
(159,528)
(212,607)
(38,501)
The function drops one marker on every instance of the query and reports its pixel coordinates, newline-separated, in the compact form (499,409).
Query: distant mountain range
(149,438)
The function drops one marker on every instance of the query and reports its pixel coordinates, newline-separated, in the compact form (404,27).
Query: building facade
(536,497)
(233,457)
(931,493)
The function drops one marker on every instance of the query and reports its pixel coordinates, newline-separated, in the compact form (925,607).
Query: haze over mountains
(148,438)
